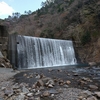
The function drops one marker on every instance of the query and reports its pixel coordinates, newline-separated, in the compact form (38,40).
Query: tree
(28,12)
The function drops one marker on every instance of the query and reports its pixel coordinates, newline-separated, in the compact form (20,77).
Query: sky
(7,7)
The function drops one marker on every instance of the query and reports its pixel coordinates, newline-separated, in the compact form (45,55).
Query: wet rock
(53,91)
(97,94)
(92,98)
(93,87)
(46,94)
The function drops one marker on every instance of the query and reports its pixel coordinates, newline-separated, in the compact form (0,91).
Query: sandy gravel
(6,73)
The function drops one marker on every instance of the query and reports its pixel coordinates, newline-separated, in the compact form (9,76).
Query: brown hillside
(78,20)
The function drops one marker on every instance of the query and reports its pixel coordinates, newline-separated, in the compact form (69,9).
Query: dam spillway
(34,52)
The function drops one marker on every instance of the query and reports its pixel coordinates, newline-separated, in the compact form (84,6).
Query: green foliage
(95,34)
(71,1)
(15,33)
(60,9)
(86,38)
(38,12)
(23,16)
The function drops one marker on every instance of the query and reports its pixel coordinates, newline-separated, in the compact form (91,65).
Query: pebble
(68,82)
(30,94)
(46,93)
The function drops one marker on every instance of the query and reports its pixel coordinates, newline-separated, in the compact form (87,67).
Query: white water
(41,52)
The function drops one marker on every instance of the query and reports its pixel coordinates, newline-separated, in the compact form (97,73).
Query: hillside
(78,20)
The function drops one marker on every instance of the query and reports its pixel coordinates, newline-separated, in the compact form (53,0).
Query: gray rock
(53,91)
(25,90)
(1,55)
(38,98)
(1,98)
(3,88)
(92,98)
(46,93)
(86,93)
(37,76)
(66,86)
(93,87)
(38,92)
(39,83)
(8,91)
(30,94)
(50,86)
(20,97)
(86,79)
(97,94)
(92,63)
(50,81)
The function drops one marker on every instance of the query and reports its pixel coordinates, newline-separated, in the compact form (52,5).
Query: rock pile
(44,89)
(4,62)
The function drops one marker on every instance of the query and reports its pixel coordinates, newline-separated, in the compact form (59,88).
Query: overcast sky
(7,7)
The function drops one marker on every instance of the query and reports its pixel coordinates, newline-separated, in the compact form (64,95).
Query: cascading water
(35,52)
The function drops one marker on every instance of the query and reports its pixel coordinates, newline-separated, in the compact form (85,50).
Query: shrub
(86,38)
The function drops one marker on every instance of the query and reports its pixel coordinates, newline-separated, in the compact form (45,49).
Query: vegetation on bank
(64,19)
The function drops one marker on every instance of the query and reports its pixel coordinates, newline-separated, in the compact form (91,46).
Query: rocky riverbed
(60,83)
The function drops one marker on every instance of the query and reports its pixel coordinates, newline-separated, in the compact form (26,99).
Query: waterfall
(33,52)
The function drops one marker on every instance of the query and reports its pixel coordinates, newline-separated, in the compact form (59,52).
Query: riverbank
(60,83)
